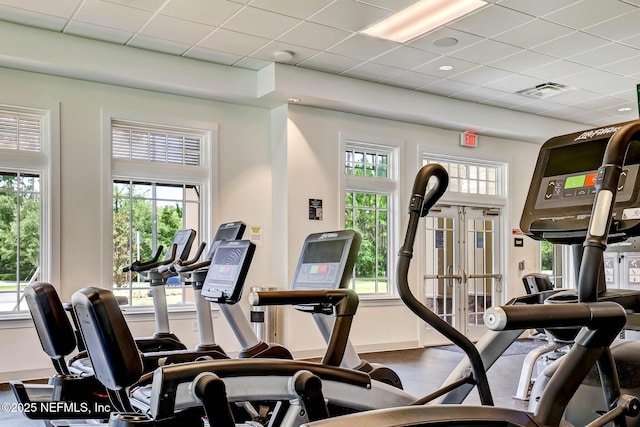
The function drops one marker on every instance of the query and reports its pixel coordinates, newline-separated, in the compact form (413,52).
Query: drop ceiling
(589,47)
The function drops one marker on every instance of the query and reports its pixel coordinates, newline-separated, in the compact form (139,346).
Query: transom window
(470,177)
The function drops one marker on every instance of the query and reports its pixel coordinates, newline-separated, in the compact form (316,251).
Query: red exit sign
(469,139)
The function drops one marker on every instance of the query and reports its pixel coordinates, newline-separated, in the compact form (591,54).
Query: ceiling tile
(489,21)
(349,15)
(446,87)
(176,30)
(589,12)
(405,57)
(252,21)
(605,55)
(574,97)
(314,35)
(112,15)
(511,100)
(533,33)
(371,71)
(97,32)
(394,5)
(233,42)
(571,44)
(513,83)
(204,54)
(362,47)
(485,51)
(158,45)
(633,41)
(432,68)
(266,53)
(251,64)
(538,106)
(463,39)
(556,70)
(410,80)
(330,62)
(523,61)
(32,19)
(150,5)
(295,8)
(626,67)
(209,12)
(59,8)
(479,94)
(592,79)
(609,103)
(480,76)
(537,7)
(618,28)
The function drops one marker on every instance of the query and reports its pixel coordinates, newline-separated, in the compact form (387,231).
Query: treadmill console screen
(228,231)
(563,186)
(327,260)
(227,271)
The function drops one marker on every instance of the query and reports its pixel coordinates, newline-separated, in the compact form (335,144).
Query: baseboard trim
(367,348)
(31,374)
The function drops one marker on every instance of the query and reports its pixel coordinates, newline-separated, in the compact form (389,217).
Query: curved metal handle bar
(601,213)
(419,205)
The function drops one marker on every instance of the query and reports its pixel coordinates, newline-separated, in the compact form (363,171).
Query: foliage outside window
(147,211)
(551,262)
(370,189)
(22,214)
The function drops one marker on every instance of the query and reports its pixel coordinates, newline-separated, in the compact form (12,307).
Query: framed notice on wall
(315,209)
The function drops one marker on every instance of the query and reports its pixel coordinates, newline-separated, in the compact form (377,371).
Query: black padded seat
(54,328)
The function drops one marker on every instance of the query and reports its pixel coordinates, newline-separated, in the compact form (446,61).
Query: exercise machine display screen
(183,241)
(228,231)
(228,270)
(563,187)
(327,260)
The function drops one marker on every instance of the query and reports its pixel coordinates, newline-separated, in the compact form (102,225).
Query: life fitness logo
(597,132)
(328,236)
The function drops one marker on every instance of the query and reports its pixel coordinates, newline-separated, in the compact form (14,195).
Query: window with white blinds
(159,174)
(25,192)
(158,145)
(19,131)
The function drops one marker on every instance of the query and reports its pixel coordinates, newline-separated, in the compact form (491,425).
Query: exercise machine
(602,322)
(157,272)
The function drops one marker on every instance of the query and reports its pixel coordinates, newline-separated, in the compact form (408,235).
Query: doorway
(462,275)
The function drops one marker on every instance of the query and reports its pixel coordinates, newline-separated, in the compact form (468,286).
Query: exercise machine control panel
(327,260)
(563,188)
(228,271)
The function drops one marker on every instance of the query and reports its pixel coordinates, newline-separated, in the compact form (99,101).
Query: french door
(462,275)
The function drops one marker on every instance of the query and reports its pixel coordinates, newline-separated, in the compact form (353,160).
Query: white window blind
(21,132)
(155,145)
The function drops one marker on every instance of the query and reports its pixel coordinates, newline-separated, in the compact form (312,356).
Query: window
(551,262)
(469,177)
(370,191)
(25,199)
(148,206)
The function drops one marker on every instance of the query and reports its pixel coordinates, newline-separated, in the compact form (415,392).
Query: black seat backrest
(536,282)
(51,322)
(112,350)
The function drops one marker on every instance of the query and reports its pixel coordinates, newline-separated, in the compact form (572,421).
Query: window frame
(389,186)
(46,164)
(203,176)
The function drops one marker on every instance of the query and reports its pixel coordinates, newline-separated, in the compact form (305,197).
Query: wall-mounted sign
(469,139)
(315,209)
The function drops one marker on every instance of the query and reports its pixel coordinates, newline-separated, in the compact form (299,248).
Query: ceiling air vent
(544,90)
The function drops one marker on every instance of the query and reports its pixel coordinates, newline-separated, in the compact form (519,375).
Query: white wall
(270,163)
(314,170)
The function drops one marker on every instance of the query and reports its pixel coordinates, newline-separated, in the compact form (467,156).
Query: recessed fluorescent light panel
(421,17)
